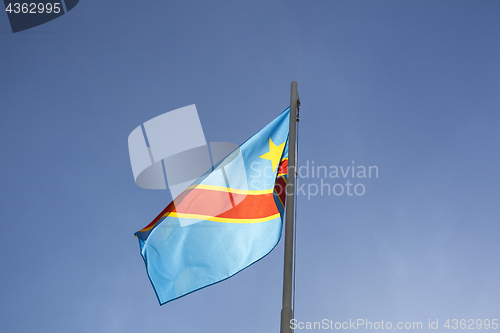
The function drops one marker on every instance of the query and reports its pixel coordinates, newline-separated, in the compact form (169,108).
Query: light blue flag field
(225,221)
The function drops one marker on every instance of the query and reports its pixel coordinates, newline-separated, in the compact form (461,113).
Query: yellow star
(274,153)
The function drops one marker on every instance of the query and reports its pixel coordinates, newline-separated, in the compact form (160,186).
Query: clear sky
(411,87)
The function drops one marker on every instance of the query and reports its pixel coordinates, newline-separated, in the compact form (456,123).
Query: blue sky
(411,87)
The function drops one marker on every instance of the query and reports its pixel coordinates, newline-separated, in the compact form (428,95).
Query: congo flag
(225,221)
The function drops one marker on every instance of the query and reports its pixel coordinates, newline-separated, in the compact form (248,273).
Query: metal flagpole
(286,311)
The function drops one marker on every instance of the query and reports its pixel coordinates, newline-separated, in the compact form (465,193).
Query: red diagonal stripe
(227,205)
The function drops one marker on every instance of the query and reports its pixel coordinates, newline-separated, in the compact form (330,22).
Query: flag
(225,221)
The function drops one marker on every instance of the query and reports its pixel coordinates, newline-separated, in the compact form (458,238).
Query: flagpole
(286,310)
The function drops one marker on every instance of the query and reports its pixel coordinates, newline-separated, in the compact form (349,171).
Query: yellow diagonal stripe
(229,190)
(222,219)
